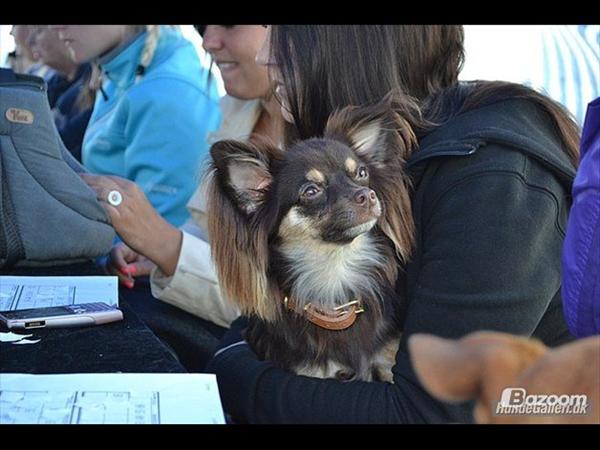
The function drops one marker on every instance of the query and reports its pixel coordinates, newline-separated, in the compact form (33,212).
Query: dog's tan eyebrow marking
(315,175)
(350,166)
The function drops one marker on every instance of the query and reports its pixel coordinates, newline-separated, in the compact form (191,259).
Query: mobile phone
(61,316)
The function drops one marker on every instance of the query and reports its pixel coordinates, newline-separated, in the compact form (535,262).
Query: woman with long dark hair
(491,178)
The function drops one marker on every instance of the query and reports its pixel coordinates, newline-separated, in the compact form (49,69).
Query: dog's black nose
(365,196)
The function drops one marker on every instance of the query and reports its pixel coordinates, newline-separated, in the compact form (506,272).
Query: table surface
(128,345)
(193,339)
(124,346)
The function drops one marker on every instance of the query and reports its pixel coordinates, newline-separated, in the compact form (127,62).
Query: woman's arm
(136,221)
(193,286)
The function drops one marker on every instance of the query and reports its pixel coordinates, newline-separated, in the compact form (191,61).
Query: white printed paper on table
(116,398)
(20,292)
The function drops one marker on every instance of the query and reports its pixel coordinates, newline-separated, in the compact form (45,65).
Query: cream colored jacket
(194,286)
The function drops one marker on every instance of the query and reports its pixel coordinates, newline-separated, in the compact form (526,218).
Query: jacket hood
(515,123)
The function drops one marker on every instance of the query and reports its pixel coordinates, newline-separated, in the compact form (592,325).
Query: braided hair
(152,36)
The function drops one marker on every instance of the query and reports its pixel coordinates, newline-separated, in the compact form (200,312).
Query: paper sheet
(26,341)
(12,337)
(18,292)
(122,398)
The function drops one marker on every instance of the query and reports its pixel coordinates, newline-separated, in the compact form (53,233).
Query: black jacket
(490,205)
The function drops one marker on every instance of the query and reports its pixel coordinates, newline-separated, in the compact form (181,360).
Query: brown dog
(483,364)
(310,241)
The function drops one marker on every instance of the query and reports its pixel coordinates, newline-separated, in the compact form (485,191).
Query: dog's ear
(377,132)
(237,183)
(382,137)
(480,365)
(244,171)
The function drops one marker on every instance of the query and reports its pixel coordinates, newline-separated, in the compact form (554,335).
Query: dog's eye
(362,172)
(310,191)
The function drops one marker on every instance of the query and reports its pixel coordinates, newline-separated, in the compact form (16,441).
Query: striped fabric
(571,70)
(562,61)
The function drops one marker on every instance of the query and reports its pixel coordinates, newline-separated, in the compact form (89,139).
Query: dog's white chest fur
(326,272)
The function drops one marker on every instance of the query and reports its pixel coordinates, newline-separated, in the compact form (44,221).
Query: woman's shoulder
(499,136)
(173,92)
(239,118)
(176,66)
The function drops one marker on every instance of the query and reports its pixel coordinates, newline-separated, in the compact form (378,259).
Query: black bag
(48,215)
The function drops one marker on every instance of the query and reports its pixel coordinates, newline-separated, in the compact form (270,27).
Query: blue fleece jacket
(154,131)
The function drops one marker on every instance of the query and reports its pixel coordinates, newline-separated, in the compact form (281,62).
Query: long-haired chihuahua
(309,241)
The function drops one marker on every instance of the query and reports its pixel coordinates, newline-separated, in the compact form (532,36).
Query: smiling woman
(235,58)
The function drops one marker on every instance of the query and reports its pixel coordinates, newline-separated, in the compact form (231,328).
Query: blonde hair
(152,37)
(88,94)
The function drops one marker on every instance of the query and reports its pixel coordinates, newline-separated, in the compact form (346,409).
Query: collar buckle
(340,318)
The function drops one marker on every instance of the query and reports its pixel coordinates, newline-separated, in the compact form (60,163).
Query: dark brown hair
(327,67)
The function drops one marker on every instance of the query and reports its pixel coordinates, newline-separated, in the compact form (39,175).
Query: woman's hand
(128,264)
(136,221)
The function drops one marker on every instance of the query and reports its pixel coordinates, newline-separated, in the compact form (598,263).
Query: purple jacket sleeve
(581,251)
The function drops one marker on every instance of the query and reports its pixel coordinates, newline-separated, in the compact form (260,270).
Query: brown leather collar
(339,318)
